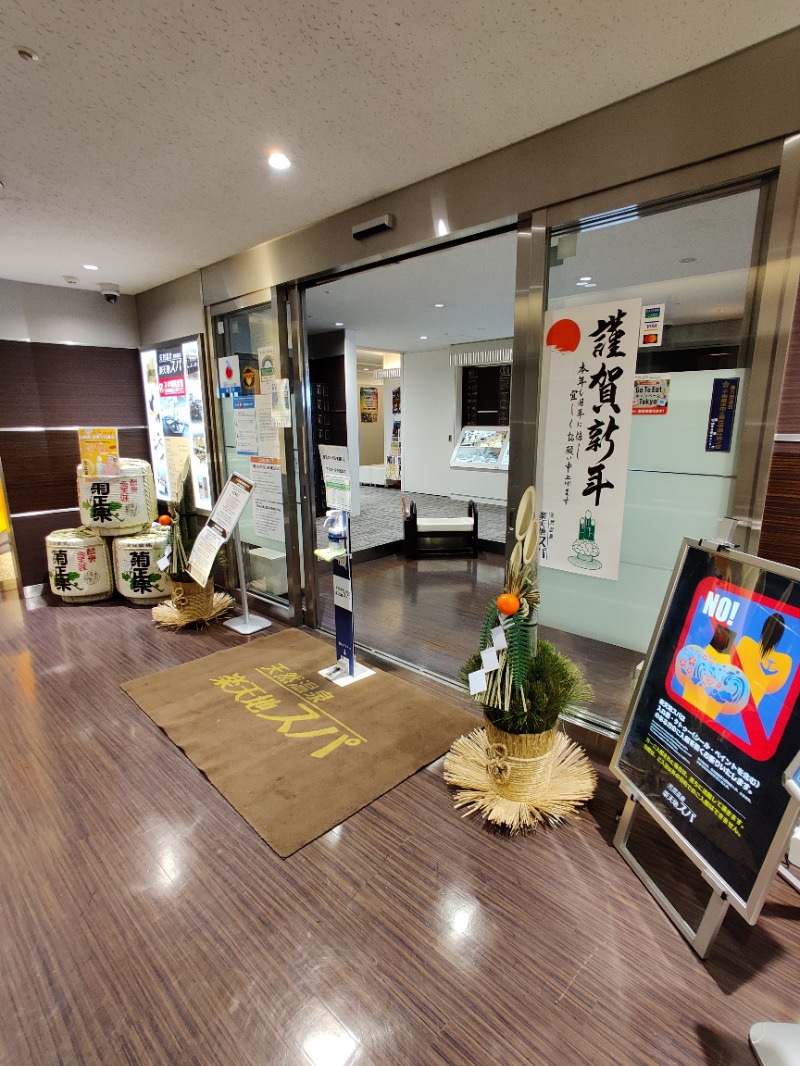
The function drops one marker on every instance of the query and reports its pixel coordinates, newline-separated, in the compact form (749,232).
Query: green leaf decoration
(490,620)
(73,575)
(114,505)
(126,576)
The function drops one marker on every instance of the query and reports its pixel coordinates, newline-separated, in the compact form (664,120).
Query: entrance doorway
(402,358)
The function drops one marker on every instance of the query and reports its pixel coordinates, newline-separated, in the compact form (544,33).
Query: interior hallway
(143,921)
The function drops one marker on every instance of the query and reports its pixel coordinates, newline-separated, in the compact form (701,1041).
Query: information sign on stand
(336,476)
(713,727)
(223,524)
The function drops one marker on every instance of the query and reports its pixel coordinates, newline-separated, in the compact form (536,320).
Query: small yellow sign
(99,450)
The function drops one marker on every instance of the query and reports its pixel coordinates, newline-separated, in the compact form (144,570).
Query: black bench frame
(416,542)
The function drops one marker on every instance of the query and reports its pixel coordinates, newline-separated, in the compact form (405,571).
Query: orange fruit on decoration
(164,520)
(507,603)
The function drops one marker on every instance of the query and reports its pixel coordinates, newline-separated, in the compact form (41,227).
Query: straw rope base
(519,793)
(192,604)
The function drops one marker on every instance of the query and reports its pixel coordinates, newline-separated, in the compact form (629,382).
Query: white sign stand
(248,623)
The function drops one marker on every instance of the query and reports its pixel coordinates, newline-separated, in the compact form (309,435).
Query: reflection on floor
(381,517)
(429,612)
(143,922)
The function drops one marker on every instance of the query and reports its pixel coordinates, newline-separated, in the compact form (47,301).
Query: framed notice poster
(715,721)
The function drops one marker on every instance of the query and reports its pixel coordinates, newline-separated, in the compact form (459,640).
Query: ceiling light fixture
(438,305)
(27,54)
(590,285)
(338,323)
(278,161)
(90,266)
(424,337)
(588,278)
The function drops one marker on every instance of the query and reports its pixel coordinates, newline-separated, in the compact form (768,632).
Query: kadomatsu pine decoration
(519,771)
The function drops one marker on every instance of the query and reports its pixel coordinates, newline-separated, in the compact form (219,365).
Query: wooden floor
(142,921)
(429,612)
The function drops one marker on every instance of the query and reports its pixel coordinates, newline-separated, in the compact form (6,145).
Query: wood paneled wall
(780,530)
(48,389)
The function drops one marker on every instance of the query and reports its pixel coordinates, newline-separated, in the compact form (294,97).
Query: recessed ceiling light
(90,266)
(578,284)
(338,323)
(423,337)
(278,161)
(27,54)
(590,285)
(438,305)
(589,278)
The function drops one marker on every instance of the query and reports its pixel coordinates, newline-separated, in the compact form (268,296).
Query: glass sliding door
(254,406)
(685,276)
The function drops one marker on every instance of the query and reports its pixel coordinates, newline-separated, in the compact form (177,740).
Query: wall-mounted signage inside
(651,330)
(176,418)
(721,414)
(589,367)
(486,395)
(650,396)
(484,448)
(368,404)
(715,723)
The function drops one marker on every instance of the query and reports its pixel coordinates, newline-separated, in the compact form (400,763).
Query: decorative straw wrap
(519,780)
(192,604)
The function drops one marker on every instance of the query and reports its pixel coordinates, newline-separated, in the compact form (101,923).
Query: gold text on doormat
(258,702)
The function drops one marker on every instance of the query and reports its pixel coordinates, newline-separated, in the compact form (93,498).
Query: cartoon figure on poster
(736,665)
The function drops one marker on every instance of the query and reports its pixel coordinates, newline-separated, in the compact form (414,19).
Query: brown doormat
(292,752)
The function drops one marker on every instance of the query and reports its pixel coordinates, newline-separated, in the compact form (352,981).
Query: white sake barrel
(136,569)
(79,565)
(118,503)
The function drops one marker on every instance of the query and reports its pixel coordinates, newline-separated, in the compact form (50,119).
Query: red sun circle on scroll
(564,335)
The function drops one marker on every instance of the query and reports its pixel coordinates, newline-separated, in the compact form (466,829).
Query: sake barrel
(112,504)
(136,569)
(79,565)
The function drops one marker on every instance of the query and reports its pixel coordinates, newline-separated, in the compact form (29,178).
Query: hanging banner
(716,721)
(368,404)
(589,366)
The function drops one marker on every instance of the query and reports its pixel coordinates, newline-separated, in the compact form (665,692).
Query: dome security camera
(109,291)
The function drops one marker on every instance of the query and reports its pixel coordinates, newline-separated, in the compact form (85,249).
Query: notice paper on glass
(244,424)
(336,475)
(267,498)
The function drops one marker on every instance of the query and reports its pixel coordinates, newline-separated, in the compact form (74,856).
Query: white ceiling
(138,141)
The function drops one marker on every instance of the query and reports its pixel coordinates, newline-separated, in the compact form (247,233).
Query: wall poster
(715,722)
(589,367)
(368,404)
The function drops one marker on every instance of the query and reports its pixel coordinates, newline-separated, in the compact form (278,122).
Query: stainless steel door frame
(276,300)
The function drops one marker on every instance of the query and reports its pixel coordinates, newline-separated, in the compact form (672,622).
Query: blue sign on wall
(721,414)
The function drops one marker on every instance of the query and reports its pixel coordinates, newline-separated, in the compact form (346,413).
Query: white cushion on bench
(445,525)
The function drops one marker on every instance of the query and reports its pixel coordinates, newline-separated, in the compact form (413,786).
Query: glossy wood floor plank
(143,921)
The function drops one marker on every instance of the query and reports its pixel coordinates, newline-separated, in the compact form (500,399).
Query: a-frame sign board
(713,726)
